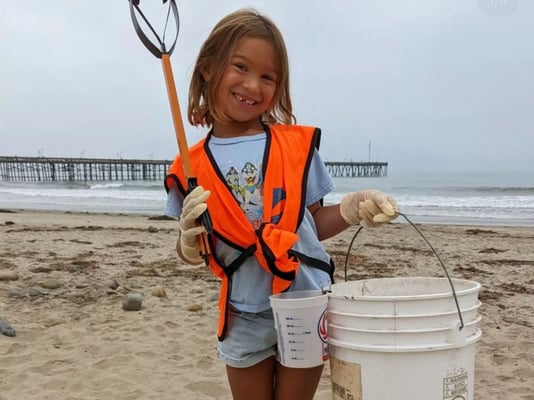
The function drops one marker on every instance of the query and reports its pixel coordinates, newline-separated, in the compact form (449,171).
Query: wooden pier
(349,169)
(45,169)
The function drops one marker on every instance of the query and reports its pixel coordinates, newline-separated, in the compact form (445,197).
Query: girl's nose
(252,84)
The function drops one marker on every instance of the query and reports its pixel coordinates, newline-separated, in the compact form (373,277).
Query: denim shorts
(250,338)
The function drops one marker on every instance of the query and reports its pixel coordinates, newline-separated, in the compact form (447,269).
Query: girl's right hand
(193,207)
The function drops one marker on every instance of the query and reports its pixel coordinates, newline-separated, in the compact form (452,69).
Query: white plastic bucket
(402,296)
(301,326)
(402,322)
(400,338)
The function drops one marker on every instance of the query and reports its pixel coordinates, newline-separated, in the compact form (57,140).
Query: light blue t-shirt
(240,160)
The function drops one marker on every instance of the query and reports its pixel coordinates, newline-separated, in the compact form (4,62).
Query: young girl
(263,181)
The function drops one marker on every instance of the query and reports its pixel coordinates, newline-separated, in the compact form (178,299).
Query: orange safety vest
(290,150)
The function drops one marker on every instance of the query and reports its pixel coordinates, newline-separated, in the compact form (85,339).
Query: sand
(76,341)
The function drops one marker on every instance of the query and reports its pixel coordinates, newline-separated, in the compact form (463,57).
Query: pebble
(51,283)
(159,291)
(9,276)
(132,302)
(195,307)
(152,229)
(16,293)
(34,292)
(82,286)
(6,329)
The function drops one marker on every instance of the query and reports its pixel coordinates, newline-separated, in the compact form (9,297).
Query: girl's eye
(240,67)
(268,78)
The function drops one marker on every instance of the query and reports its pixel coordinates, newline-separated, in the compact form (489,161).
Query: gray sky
(436,84)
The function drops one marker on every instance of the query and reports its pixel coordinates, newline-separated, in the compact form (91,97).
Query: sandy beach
(76,342)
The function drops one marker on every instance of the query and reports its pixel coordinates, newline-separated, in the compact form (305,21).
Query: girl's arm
(328,220)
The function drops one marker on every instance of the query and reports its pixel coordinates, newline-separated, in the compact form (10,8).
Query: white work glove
(194,205)
(368,208)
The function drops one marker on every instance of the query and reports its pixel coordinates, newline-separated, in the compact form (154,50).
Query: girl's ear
(206,74)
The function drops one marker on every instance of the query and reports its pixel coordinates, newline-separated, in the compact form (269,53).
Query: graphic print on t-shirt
(246,186)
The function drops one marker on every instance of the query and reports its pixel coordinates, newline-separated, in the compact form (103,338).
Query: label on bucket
(455,386)
(346,380)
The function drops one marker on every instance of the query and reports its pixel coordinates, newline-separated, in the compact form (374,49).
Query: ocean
(468,198)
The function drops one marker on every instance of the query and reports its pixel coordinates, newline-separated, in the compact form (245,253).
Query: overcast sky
(436,84)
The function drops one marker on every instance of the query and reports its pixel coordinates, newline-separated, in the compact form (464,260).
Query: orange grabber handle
(164,54)
(205,218)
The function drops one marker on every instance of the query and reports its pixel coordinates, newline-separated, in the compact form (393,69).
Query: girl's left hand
(368,208)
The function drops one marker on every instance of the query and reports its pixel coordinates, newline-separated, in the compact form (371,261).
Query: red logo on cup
(322,328)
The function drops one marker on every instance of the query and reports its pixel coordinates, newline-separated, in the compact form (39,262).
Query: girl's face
(247,88)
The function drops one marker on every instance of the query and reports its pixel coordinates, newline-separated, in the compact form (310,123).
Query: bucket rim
(470,340)
(300,295)
(406,331)
(462,292)
(406,316)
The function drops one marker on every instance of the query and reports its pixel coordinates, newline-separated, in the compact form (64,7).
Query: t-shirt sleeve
(175,199)
(320,183)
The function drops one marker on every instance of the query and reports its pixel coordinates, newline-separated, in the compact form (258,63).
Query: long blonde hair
(214,56)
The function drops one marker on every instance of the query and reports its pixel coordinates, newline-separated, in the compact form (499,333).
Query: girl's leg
(296,383)
(254,382)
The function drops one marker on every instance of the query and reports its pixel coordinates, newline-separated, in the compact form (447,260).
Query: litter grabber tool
(163,52)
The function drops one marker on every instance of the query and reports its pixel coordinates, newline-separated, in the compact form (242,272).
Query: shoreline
(77,342)
(418,220)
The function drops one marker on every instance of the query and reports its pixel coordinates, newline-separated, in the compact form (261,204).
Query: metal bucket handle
(433,250)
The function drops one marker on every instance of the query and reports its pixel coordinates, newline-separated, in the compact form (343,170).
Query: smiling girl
(263,181)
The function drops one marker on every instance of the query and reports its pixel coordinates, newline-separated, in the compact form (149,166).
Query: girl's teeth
(249,102)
